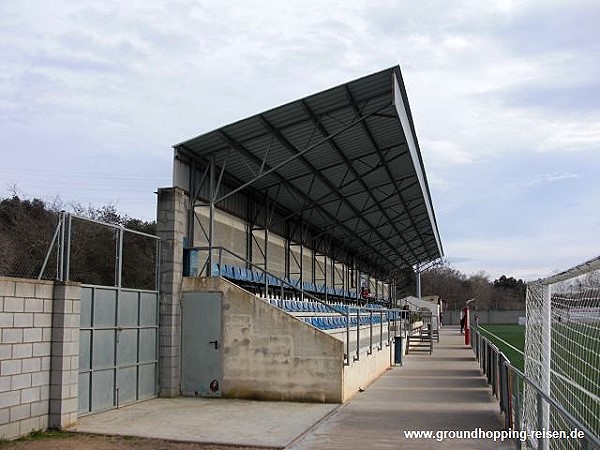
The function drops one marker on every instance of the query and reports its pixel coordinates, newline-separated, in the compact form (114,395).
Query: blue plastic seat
(226,271)
(237,273)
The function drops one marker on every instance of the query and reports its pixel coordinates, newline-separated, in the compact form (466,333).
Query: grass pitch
(501,335)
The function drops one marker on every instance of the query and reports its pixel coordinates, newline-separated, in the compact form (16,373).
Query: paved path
(443,391)
(215,421)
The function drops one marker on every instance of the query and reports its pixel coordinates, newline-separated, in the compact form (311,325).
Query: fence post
(381,330)
(56,232)
(357,357)
(60,253)
(370,332)
(119,258)
(517,404)
(503,388)
(348,336)
(544,412)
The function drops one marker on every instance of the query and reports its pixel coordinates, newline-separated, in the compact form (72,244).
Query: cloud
(549,178)
(504,95)
(573,137)
(528,258)
(447,152)
(576,98)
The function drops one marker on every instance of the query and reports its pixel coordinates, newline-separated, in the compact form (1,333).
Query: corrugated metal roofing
(353,156)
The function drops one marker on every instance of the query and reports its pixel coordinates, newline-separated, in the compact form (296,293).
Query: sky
(505,96)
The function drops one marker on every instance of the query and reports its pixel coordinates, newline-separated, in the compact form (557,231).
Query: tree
(27,228)
(509,293)
(455,288)
(445,281)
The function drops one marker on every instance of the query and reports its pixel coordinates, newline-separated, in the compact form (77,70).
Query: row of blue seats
(253,276)
(311,307)
(299,306)
(330,323)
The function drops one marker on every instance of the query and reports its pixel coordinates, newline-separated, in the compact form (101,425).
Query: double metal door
(118,346)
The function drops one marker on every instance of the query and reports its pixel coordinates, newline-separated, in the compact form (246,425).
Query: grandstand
(286,239)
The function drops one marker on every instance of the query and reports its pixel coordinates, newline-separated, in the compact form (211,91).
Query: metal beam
(241,149)
(300,153)
(335,147)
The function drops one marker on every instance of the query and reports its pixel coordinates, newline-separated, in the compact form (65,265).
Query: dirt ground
(79,441)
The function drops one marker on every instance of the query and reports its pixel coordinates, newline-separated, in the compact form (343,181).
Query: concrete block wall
(28,360)
(171,227)
(64,363)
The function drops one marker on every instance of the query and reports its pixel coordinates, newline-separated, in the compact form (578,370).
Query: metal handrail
(358,310)
(504,363)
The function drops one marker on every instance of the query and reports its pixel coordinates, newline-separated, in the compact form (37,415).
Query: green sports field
(575,354)
(511,334)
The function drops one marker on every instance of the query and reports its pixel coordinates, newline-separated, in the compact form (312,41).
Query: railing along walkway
(442,391)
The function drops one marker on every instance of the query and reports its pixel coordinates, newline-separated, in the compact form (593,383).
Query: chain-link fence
(24,241)
(84,250)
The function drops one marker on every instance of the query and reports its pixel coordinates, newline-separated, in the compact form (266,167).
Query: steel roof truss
(334,146)
(376,146)
(300,154)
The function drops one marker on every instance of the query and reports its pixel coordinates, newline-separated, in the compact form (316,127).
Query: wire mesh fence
(84,250)
(562,350)
(24,244)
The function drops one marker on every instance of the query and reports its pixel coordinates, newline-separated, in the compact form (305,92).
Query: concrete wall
(367,369)
(269,354)
(486,317)
(231,233)
(39,347)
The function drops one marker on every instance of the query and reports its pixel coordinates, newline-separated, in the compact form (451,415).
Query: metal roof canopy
(345,160)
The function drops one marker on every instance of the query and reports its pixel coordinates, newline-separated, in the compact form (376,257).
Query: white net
(562,353)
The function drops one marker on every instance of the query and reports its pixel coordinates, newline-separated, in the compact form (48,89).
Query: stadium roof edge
(351,152)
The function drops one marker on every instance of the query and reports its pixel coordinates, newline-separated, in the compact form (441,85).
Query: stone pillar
(171,226)
(64,354)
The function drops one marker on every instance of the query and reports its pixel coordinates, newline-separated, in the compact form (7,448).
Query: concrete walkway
(214,421)
(443,391)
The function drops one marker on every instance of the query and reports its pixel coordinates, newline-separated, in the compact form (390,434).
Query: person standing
(463,319)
